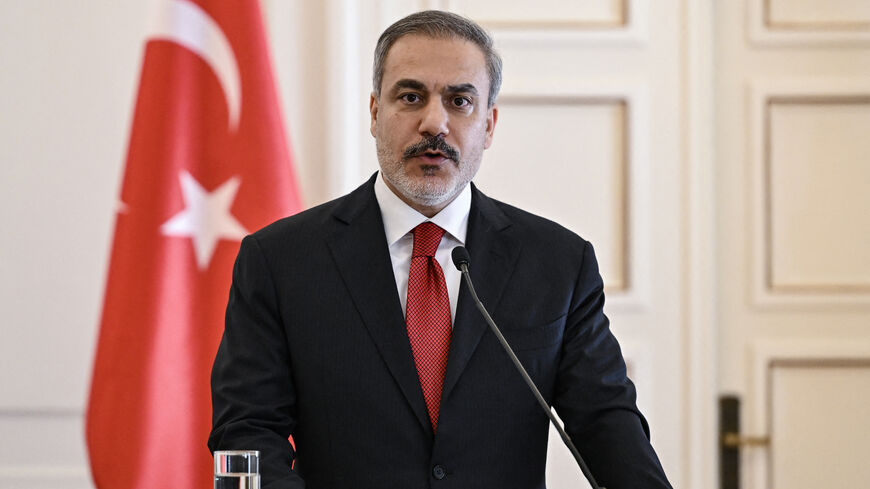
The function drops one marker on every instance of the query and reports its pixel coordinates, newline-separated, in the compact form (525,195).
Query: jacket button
(438,472)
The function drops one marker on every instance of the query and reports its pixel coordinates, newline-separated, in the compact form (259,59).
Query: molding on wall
(343,104)
(619,21)
(622,282)
(764,356)
(635,295)
(700,447)
(46,477)
(763,31)
(631,29)
(761,94)
(44,448)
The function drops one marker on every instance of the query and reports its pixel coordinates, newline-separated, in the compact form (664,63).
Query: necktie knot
(427,236)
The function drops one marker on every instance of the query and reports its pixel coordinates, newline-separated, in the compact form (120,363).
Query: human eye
(461,102)
(410,98)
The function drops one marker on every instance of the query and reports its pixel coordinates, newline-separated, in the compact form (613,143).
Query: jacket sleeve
(594,396)
(253,396)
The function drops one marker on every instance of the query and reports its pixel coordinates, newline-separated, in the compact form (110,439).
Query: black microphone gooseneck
(461,259)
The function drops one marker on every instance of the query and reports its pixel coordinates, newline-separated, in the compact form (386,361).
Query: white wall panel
(820,14)
(809,22)
(544,13)
(818,410)
(67,88)
(559,23)
(810,185)
(68,84)
(566,159)
(809,397)
(819,193)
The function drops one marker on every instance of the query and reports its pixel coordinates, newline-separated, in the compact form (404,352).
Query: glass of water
(237,469)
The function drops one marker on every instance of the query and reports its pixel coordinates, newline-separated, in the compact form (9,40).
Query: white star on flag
(206,217)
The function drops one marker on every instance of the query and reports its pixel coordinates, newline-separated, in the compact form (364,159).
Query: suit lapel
(361,254)
(493,257)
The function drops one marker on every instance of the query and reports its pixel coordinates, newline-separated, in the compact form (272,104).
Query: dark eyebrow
(462,88)
(408,83)
(416,85)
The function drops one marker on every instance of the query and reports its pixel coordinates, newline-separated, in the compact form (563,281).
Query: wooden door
(793,226)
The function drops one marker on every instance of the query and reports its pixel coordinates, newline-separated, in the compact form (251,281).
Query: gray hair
(439,25)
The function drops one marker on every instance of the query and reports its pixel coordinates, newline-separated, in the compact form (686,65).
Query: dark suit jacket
(315,346)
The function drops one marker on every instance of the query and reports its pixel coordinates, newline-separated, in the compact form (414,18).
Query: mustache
(434,143)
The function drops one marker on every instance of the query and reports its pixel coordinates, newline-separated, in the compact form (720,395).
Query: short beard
(429,192)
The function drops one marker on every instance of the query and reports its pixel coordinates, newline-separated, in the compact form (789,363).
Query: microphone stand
(461,260)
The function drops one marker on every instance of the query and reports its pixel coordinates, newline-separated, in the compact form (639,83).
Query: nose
(434,119)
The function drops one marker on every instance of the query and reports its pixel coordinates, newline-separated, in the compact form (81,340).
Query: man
(347,326)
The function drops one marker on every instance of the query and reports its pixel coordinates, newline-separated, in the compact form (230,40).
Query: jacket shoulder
(315,218)
(319,221)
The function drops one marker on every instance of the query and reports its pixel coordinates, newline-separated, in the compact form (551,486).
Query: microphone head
(460,257)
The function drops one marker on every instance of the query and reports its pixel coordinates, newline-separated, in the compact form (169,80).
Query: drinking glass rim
(237,452)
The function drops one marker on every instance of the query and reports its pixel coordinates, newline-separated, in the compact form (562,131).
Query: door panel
(818,431)
(793,188)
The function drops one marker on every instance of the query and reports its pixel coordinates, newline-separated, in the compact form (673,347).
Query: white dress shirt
(399,223)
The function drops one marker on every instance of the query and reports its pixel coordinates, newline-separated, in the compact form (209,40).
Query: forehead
(435,60)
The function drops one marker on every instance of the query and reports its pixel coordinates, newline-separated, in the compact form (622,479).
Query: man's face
(431,122)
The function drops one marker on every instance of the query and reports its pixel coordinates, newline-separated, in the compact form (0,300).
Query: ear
(491,119)
(373,110)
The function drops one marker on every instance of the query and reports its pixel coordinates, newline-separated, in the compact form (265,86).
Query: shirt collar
(400,218)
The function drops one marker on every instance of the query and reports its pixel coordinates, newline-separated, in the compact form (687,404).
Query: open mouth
(433,155)
(432,158)
(432,150)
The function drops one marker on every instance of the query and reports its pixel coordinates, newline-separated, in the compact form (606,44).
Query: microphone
(461,260)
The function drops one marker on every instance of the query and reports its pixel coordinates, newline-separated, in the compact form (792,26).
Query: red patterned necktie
(428,316)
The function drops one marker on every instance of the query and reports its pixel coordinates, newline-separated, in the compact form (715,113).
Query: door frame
(699,278)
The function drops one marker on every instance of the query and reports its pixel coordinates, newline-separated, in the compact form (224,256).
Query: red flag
(207,163)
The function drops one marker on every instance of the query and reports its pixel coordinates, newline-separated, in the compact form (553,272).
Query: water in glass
(237,481)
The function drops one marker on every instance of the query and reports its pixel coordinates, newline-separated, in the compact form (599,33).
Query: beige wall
(67,77)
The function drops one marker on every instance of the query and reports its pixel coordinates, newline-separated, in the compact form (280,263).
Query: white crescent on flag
(187,25)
